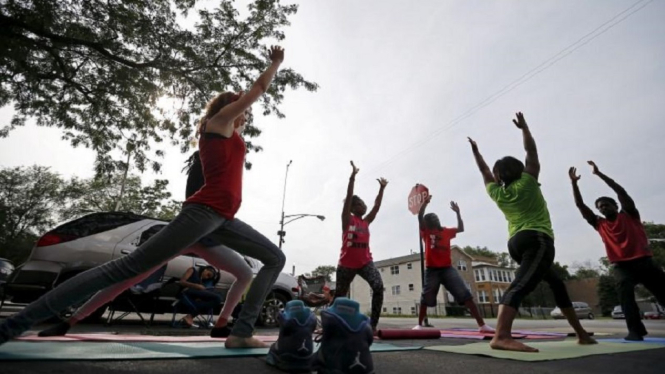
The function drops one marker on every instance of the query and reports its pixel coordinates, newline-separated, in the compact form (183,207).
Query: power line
(584,40)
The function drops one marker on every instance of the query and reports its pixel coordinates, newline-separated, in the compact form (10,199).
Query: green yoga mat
(72,351)
(559,350)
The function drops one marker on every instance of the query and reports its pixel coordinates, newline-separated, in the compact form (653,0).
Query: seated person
(200,298)
(313,298)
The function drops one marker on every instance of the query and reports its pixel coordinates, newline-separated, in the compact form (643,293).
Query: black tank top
(195,179)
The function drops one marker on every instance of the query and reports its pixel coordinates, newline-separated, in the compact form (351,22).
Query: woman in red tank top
(356,258)
(209,213)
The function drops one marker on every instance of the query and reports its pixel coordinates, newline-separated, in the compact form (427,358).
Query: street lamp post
(281,233)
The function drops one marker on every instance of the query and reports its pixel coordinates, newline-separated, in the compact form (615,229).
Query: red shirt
(437,246)
(624,238)
(223,162)
(355,244)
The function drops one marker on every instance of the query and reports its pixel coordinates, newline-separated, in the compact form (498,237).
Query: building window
(396,290)
(482,297)
(477,274)
(394,270)
(497,297)
(461,265)
(385,310)
(382,270)
(397,310)
(411,287)
(482,274)
(413,310)
(491,274)
(409,266)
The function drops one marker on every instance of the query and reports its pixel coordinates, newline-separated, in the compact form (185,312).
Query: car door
(175,268)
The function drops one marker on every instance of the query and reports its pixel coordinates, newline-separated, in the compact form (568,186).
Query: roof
(482,264)
(411,258)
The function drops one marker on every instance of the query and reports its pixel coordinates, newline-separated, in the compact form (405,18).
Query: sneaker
(294,350)
(347,336)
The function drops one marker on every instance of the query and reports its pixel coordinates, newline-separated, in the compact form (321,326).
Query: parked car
(6,269)
(582,310)
(96,238)
(617,313)
(657,313)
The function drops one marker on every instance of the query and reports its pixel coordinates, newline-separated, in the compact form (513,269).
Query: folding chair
(313,293)
(183,302)
(141,297)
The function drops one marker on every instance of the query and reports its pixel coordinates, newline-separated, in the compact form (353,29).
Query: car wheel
(590,316)
(274,304)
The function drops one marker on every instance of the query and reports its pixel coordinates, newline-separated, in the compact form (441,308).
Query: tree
(656,231)
(478,251)
(101,195)
(324,270)
(504,260)
(29,200)
(125,76)
(608,296)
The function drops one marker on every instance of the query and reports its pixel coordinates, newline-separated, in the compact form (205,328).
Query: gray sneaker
(294,349)
(347,336)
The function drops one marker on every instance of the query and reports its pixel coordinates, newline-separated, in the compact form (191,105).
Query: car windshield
(617,308)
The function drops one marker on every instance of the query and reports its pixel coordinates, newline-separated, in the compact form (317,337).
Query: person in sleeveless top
(627,248)
(196,286)
(356,257)
(209,212)
(514,187)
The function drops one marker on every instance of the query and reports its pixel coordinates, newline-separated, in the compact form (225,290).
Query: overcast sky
(394,75)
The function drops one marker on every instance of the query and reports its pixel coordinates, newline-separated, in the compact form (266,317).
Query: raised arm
(626,201)
(421,212)
(460,223)
(532,164)
(482,165)
(222,122)
(377,202)
(346,211)
(587,213)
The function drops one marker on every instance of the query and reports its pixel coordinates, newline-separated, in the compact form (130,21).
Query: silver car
(94,239)
(582,310)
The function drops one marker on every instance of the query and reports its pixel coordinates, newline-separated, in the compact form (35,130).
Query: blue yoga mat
(646,340)
(76,351)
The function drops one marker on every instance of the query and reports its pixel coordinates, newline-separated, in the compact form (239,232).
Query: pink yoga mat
(473,334)
(409,334)
(132,338)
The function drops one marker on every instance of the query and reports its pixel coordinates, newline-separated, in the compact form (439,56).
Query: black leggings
(370,274)
(534,252)
(628,274)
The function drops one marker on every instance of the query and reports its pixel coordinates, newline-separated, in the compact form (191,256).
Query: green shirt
(523,204)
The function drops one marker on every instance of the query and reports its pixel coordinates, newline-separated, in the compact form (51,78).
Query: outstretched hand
(520,122)
(383,182)
(572,173)
(474,146)
(594,167)
(276,54)
(355,169)
(454,207)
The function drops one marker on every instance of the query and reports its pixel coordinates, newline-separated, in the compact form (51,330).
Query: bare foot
(585,339)
(510,344)
(238,342)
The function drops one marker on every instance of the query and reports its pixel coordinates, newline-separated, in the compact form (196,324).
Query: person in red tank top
(356,258)
(438,265)
(209,213)
(627,248)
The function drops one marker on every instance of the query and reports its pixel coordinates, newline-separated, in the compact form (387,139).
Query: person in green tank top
(514,187)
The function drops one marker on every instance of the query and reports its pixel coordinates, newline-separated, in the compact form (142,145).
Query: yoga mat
(77,351)
(387,334)
(523,332)
(134,338)
(646,340)
(473,334)
(558,350)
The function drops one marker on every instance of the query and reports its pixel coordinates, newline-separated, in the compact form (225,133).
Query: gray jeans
(194,222)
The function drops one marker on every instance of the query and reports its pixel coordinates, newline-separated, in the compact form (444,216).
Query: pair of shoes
(344,343)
